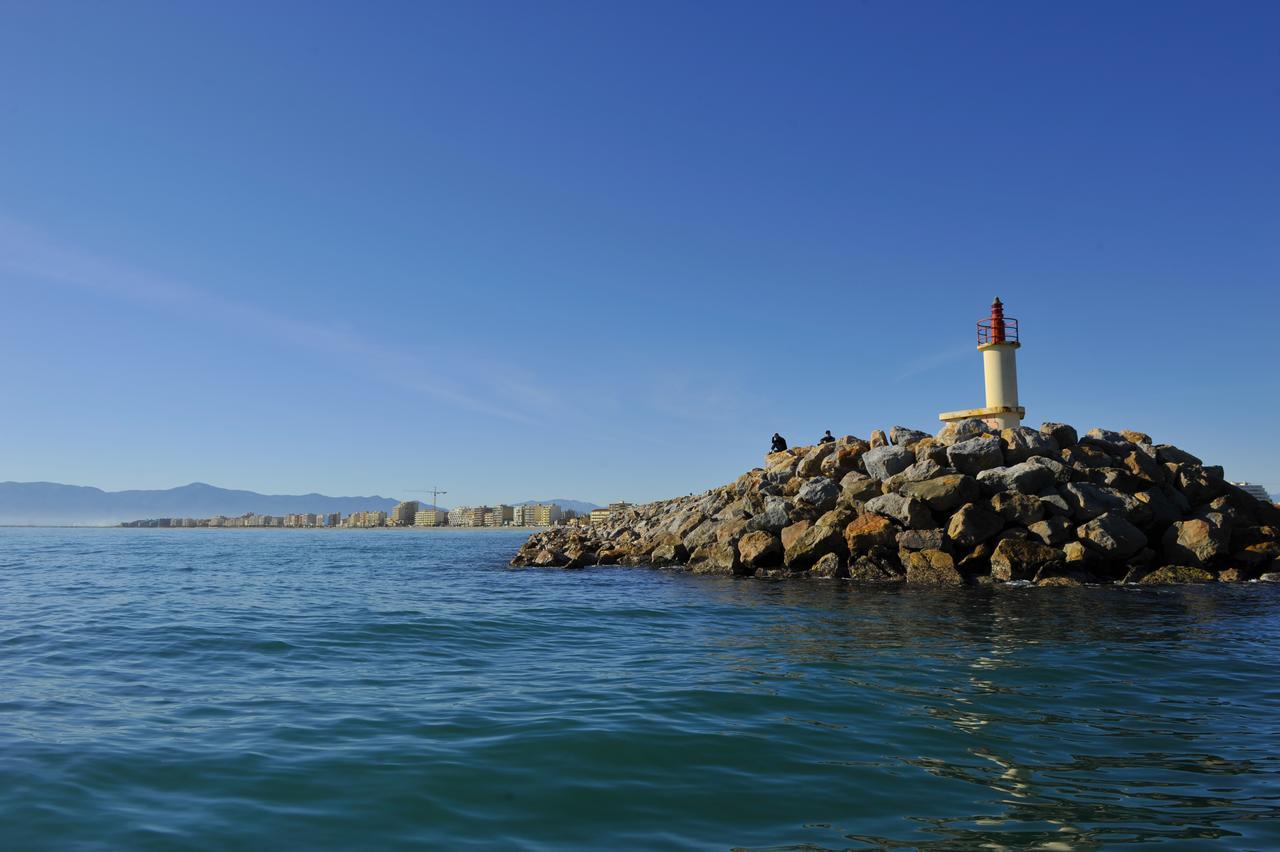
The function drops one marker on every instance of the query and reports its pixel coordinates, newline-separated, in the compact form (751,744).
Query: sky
(604,250)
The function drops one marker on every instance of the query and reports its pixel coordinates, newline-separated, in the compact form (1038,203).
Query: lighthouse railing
(990,331)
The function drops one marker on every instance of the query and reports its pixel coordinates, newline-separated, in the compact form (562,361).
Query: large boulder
(791,533)
(1022,443)
(1088,501)
(883,462)
(1053,531)
(873,568)
(1028,477)
(1113,536)
(976,454)
(812,545)
(903,437)
(1198,541)
(944,493)
(1062,434)
(1169,454)
(811,464)
(1177,575)
(869,531)
(931,568)
(973,524)
(1021,509)
(930,539)
(962,430)
(1020,559)
(906,510)
(775,515)
(760,549)
(715,559)
(843,460)
(819,492)
(858,488)
(829,567)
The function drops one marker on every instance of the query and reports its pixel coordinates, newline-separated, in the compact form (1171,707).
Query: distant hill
(53,503)
(579,506)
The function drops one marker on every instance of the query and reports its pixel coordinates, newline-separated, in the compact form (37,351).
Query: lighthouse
(998,343)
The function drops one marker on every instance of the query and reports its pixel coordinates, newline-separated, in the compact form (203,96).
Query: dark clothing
(779,444)
(826,439)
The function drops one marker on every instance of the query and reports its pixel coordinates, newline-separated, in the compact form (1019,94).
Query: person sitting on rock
(827,439)
(779,443)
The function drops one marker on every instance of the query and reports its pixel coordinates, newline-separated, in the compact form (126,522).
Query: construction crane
(433,491)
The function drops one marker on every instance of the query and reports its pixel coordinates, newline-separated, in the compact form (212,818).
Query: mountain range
(36,503)
(54,503)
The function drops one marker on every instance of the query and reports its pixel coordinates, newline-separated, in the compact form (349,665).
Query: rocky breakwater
(967,506)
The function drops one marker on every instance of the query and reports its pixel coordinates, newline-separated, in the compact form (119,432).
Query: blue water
(237,689)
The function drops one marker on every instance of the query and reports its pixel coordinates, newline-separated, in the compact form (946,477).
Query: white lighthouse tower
(998,343)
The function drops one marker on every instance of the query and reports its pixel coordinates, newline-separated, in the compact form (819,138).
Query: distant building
(403,514)
(458,516)
(541,514)
(475,516)
(333,519)
(1254,490)
(500,516)
(430,518)
(599,516)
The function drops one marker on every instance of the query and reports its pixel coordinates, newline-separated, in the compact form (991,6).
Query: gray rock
(976,454)
(1022,443)
(855,487)
(1053,503)
(1064,435)
(1198,541)
(963,430)
(1053,531)
(1112,442)
(819,492)
(830,566)
(944,493)
(1022,509)
(973,524)
(901,436)
(1113,536)
(1088,501)
(921,471)
(1169,454)
(931,539)
(1025,477)
(775,515)
(1021,559)
(904,509)
(883,462)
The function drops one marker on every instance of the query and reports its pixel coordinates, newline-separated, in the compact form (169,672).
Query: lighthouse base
(997,417)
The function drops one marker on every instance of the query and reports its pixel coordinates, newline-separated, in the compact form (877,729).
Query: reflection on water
(206,690)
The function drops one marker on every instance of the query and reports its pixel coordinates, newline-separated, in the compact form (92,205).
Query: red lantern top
(997,328)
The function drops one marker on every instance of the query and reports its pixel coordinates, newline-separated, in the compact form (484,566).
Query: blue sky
(603,251)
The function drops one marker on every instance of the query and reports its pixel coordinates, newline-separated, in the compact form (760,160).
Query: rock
(819,492)
(976,455)
(901,436)
(775,515)
(1022,509)
(670,553)
(760,549)
(883,462)
(1113,536)
(868,531)
(1143,466)
(931,568)
(1197,542)
(791,533)
(858,487)
(1061,433)
(1060,580)
(930,449)
(1180,574)
(1085,457)
(921,471)
(811,463)
(1053,531)
(1270,577)
(1022,443)
(829,567)
(1026,478)
(1112,442)
(715,559)
(944,493)
(963,430)
(1169,454)
(973,524)
(879,439)
(873,569)
(1135,437)
(1053,503)
(1074,551)
(1088,501)
(908,511)
(1019,559)
(1200,484)
(549,558)
(843,460)
(930,539)
(812,545)
(687,523)
(730,531)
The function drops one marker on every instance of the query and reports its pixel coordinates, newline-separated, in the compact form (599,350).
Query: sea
(347,690)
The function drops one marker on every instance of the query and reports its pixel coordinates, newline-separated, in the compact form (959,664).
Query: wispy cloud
(27,252)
